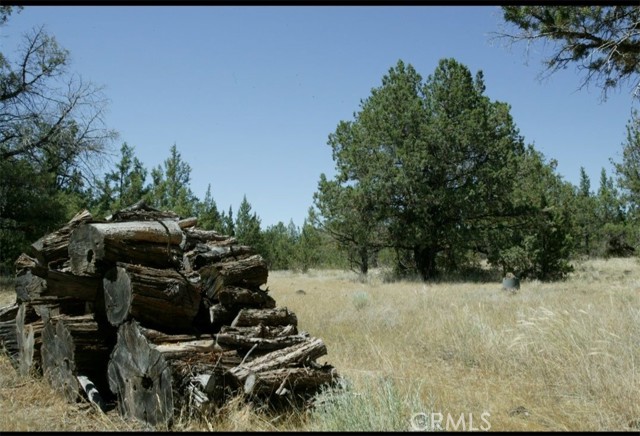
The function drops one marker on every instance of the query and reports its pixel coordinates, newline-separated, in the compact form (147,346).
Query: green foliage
(430,162)
(603,41)
(207,212)
(247,227)
(170,188)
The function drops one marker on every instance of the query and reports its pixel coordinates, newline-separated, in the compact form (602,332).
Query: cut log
(195,236)
(267,317)
(141,211)
(29,343)
(25,262)
(54,246)
(250,272)
(220,315)
(76,347)
(159,298)
(234,296)
(241,342)
(151,380)
(93,248)
(283,381)
(296,355)
(66,284)
(47,306)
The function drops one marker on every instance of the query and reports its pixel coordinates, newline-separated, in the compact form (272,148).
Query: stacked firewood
(146,310)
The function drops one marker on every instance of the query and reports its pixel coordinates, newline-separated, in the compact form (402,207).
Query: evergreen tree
(170,189)
(247,226)
(207,212)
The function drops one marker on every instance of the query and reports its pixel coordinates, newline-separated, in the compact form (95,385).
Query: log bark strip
(159,298)
(93,247)
(76,347)
(152,379)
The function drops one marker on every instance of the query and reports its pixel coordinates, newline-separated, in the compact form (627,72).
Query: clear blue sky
(250,94)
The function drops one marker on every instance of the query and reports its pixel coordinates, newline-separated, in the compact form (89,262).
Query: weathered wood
(95,247)
(261,331)
(29,342)
(250,272)
(47,306)
(25,263)
(194,236)
(67,284)
(141,211)
(270,317)
(159,298)
(54,246)
(188,222)
(29,286)
(235,296)
(151,380)
(286,381)
(294,355)
(231,340)
(73,347)
(207,254)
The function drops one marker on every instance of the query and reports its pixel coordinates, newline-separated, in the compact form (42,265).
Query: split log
(250,272)
(96,247)
(295,355)
(67,284)
(25,263)
(54,246)
(234,296)
(76,347)
(261,331)
(151,380)
(268,317)
(47,306)
(159,298)
(29,342)
(239,341)
(303,381)
(207,254)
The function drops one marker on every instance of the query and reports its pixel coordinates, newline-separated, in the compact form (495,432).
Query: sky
(250,94)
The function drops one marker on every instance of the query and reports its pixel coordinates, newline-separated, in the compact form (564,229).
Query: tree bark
(188,222)
(159,298)
(207,254)
(76,347)
(151,378)
(425,259)
(261,331)
(239,341)
(93,248)
(26,263)
(195,236)
(66,284)
(267,317)
(54,246)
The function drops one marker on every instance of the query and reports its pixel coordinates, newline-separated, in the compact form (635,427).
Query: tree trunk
(267,317)
(152,378)
(93,248)
(76,347)
(425,259)
(159,298)
(54,246)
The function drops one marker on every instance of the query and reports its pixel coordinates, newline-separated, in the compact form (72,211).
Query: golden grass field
(555,356)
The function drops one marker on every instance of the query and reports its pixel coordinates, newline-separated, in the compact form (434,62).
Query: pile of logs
(144,310)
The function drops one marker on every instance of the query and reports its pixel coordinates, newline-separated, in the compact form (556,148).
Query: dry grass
(555,356)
